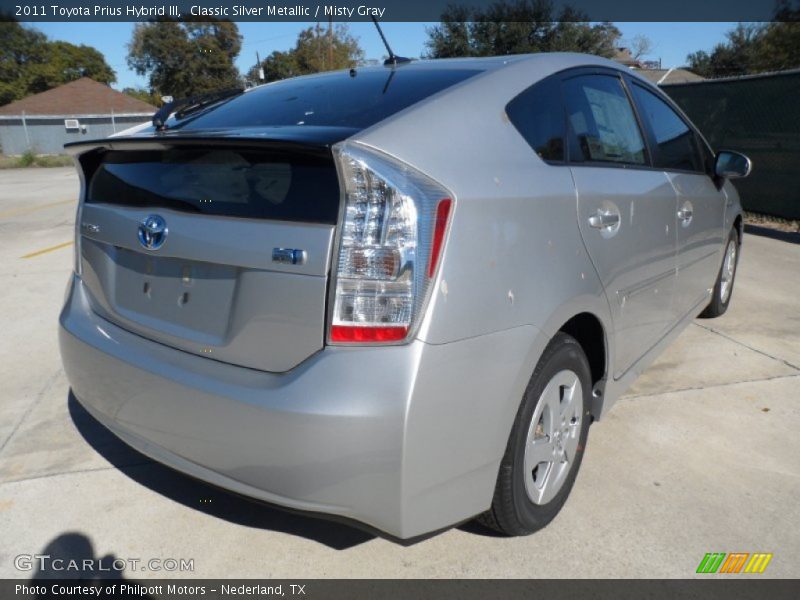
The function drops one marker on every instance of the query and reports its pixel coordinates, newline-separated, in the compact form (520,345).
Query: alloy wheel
(728,271)
(553,436)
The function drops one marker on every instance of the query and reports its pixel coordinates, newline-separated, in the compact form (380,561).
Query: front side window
(538,115)
(675,142)
(602,123)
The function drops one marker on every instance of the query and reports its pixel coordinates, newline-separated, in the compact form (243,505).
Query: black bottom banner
(406,589)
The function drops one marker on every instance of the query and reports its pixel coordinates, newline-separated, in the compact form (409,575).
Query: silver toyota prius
(395,294)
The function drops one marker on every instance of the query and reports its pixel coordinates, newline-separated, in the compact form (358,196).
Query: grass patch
(55,160)
(29,159)
(26,160)
(777,223)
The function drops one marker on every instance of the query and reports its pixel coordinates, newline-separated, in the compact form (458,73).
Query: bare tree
(641,45)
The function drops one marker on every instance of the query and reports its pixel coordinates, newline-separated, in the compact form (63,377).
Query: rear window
(538,114)
(333,100)
(229,182)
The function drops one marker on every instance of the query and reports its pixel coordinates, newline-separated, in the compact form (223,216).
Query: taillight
(439,229)
(393,231)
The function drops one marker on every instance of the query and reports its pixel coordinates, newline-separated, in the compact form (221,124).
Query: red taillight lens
(354,333)
(439,229)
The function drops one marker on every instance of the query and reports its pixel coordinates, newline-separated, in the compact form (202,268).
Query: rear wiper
(187,106)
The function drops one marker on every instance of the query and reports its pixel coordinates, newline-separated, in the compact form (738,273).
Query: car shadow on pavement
(475,528)
(206,498)
(793,237)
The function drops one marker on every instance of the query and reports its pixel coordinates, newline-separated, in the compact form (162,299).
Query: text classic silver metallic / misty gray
(394,294)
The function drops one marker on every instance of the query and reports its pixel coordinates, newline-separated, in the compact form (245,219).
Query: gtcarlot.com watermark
(44,562)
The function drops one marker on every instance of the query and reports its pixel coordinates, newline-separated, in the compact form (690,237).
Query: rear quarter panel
(514,254)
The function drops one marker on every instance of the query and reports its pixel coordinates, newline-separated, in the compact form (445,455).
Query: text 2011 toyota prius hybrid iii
(395,294)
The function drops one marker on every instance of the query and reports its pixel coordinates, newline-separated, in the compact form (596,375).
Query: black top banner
(388,10)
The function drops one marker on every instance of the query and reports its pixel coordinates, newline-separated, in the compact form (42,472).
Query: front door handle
(604,219)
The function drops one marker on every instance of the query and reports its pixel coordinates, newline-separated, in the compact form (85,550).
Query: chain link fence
(758,115)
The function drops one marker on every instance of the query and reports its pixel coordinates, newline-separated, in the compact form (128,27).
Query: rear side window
(602,123)
(675,142)
(538,115)
(332,99)
(229,182)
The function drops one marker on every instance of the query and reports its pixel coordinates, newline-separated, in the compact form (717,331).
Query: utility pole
(320,55)
(259,67)
(330,42)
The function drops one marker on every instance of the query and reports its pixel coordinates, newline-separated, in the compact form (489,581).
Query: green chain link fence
(760,116)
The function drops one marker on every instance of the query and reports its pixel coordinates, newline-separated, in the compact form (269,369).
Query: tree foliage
(185,58)
(142,94)
(316,50)
(753,48)
(278,65)
(30,63)
(518,27)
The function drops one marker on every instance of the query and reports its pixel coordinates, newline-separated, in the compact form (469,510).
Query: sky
(671,41)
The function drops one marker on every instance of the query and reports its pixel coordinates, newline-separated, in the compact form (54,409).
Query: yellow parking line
(29,209)
(46,250)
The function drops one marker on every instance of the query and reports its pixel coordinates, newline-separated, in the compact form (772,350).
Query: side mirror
(730,164)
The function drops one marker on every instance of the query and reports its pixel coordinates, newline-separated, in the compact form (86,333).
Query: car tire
(552,423)
(723,288)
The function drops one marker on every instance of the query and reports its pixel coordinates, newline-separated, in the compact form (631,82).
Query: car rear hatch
(214,232)
(219,248)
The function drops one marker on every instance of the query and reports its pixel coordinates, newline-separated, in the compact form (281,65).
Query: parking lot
(702,455)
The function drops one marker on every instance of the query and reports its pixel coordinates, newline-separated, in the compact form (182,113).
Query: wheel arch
(738,223)
(589,332)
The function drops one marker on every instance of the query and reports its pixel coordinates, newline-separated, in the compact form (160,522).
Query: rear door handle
(604,219)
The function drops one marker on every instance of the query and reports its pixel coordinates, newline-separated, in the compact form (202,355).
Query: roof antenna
(392,60)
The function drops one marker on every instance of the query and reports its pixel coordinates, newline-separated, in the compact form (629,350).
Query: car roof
(472,63)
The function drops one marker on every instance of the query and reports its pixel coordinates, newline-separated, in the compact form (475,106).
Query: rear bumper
(406,439)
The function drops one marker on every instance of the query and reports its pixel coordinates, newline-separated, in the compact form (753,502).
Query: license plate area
(213,289)
(174,295)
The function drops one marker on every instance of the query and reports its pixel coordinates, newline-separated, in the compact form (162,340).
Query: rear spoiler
(297,138)
(165,143)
